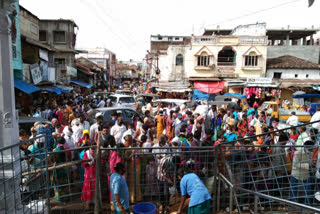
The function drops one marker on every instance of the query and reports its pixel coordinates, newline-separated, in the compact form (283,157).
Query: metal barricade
(240,176)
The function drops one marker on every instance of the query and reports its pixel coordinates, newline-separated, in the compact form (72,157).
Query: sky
(124,26)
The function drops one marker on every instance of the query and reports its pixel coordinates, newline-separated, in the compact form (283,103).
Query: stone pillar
(287,40)
(8,119)
(311,40)
(304,41)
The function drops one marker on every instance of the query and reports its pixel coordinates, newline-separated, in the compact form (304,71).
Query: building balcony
(251,68)
(205,68)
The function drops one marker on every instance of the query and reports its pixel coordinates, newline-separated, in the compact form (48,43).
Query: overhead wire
(97,16)
(255,12)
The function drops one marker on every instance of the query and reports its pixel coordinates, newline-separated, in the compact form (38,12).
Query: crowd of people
(158,146)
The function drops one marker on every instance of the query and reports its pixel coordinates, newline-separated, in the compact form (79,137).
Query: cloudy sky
(125,26)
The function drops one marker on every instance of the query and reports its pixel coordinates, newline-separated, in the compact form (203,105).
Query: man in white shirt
(77,131)
(95,127)
(118,130)
(293,120)
(130,132)
(316,117)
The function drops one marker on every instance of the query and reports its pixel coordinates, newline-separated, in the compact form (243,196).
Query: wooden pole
(54,167)
(97,204)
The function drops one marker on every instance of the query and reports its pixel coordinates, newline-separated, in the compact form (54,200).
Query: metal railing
(238,174)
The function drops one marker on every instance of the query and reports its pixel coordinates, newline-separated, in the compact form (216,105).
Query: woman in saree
(59,178)
(129,155)
(169,129)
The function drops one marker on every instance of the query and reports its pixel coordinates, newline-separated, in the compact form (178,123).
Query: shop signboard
(71,71)
(44,70)
(259,80)
(51,74)
(36,73)
(43,54)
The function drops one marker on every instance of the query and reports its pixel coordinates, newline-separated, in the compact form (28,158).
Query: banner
(36,73)
(44,70)
(71,71)
(51,74)
(43,54)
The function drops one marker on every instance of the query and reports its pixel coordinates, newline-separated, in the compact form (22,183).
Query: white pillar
(8,121)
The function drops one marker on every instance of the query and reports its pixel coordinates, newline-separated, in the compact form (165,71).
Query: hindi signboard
(36,73)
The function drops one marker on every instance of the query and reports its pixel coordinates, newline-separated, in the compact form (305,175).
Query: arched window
(179,59)
(227,57)
(251,59)
(203,59)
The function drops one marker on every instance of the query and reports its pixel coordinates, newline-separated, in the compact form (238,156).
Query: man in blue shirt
(191,185)
(119,190)
(229,135)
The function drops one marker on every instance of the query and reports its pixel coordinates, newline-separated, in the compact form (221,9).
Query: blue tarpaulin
(306,96)
(83,84)
(25,87)
(201,95)
(235,95)
(56,90)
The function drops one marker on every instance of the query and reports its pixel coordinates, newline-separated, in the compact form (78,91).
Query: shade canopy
(25,87)
(209,87)
(83,84)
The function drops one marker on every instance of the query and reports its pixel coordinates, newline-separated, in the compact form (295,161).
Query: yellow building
(228,56)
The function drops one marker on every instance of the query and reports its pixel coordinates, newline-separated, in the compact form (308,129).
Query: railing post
(218,194)
(231,200)
(256,199)
(134,178)
(47,172)
(97,204)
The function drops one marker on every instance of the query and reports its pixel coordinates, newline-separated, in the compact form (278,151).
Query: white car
(172,103)
(120,100)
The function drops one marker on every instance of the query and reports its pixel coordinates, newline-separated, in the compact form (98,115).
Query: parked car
(166,103)
(120,100)
(125,92)
(97,94)
(127,114)
(27,123)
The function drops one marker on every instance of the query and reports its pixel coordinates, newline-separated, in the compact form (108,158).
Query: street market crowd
(162,147)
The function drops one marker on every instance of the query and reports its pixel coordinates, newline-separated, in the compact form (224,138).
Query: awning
(83,84)
(178,86)
(306,96)
(209,87)
(235,95)
(25,87)
(56,90)
(64,87)
(38,44)
(288,85)
(204,79)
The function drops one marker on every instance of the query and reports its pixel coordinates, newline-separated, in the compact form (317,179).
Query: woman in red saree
(89,184)
(243,126)
(169,130)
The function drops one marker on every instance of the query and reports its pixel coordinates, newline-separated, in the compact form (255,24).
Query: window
(203,60)
(170,38)
(59,36)
(227,57)
(177,38)
(60,62)
(307,75)
(126,100)
(251,59)
(129,113)
(43,35)
(296,75)
(159,38)
(179,59)
(277,75)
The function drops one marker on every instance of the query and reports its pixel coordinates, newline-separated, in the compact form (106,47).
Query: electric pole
(9,159)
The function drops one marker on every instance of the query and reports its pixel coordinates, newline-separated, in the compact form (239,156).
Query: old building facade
(61,35)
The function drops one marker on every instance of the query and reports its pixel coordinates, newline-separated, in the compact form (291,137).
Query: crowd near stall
(166,150)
